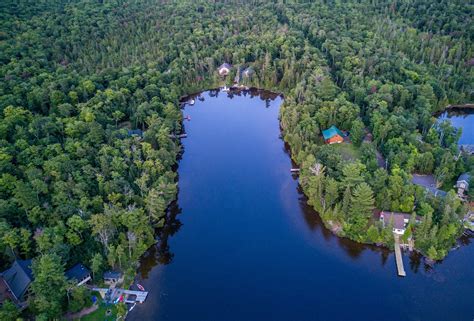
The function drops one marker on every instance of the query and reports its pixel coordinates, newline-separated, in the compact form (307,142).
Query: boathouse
(224,69)
(333,135)
(79,274)
(15,282)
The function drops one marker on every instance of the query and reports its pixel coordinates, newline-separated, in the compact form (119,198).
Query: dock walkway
(139,296)
(398,257)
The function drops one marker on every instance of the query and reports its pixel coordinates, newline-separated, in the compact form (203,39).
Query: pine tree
(49,285)
(357,132)
(362,204)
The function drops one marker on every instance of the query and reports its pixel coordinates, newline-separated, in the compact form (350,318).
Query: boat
(191,102)
(225,89)
(119,299)
(187,117)
(131,308)
(140,287)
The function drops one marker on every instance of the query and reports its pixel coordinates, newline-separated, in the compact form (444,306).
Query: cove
(241,243)
(461,118)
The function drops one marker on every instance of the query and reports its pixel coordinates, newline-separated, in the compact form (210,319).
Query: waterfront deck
(398,257)
(129,296)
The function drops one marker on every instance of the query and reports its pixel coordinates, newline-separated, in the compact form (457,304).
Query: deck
(398,257)
(139,296)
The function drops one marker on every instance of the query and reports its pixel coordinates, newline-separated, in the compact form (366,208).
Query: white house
(224,69)
(400,221)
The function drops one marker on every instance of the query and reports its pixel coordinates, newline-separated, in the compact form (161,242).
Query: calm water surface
(242,245)
(462,118)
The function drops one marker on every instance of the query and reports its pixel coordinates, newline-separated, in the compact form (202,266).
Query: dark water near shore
(242,244)
(461,118)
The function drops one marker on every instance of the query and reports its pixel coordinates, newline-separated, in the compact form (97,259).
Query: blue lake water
(241,244)
(462,118)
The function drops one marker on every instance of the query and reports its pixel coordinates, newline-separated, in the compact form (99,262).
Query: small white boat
(225,89)
(191,102)
(131,308)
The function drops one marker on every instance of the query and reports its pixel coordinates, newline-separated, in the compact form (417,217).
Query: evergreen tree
(49,285)
(362,204)
(357,132)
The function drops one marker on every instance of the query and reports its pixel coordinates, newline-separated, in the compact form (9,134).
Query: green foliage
(9,311)
(79,298)
(49,285)
(75,187)
(362,204)
(373,235)
(357,132)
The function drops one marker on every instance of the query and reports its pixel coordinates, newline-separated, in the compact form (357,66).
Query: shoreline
(334,229)
(469,107)
(182,102)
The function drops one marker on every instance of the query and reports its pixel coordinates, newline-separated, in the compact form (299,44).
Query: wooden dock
(398,257)
(130,296)
(178,136)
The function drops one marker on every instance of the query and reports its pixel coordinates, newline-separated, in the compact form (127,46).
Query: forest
(89,114)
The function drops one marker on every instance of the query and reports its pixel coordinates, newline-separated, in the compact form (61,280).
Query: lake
(461,118)
(241,243)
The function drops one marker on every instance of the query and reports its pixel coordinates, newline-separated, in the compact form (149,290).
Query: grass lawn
(100,313)
(349,152)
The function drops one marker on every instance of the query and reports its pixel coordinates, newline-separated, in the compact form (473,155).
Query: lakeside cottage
(15,282)
(78,273)
(466,148)
(224,69)
(462,184)
(112,278)
(400,221)
(333,135)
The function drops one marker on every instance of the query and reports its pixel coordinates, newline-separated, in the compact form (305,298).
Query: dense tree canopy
(78,76)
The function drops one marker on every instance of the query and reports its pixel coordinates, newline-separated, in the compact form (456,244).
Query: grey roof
(77,272)
(19,277)
(464,177)
(135,132)
(112,275)
(398,219)
(225,65)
